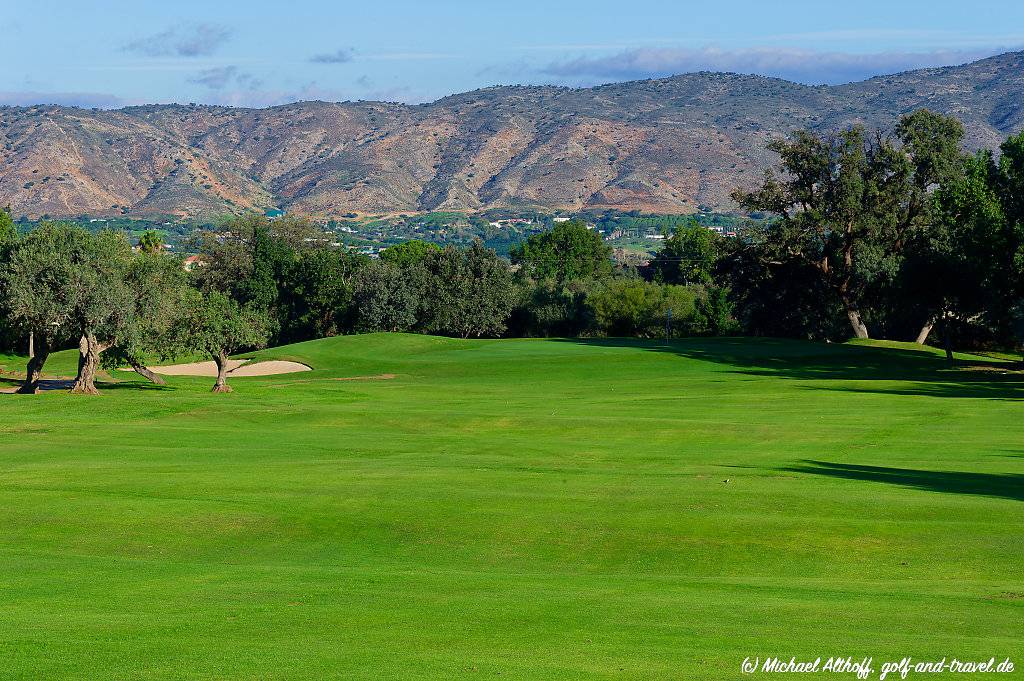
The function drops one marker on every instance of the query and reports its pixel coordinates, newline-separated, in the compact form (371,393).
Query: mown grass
(522,508)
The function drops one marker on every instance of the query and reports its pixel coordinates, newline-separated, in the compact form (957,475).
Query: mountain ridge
(658,145)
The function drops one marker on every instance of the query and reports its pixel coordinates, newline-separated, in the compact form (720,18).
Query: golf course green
(515,509)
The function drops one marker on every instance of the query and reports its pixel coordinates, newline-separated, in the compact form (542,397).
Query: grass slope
(528,508)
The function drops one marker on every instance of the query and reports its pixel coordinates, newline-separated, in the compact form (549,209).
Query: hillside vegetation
(529,508)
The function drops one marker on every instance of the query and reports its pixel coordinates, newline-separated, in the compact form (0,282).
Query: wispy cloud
(188,40)
(911,38)
(342,55)
(804,66)
(219,78)
(409,56)
(86,100)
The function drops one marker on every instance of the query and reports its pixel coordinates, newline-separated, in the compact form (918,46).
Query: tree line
(891,235)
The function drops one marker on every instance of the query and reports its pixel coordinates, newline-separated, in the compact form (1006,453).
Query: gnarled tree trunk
(221,386)
(143,370)
(89,351)
(34,371)
(860,329)
(926,330)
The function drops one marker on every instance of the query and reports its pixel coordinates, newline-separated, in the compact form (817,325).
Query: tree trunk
(35,367)
(221,386)
(947,340)
(925,332)
(860,330)
(89,350)
(143,370)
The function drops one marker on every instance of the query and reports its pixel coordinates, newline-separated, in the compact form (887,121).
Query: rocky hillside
(665,145)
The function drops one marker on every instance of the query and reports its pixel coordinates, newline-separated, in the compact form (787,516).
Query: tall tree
(824,210)
(568,251)
(847,203)
(250,256)
(384,298)
(316,295)
(688,256)
(470,292)
(949,268)
(8,238)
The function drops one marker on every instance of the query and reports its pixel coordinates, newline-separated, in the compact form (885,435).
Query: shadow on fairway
(1002,485)
(63,384)
(923,373)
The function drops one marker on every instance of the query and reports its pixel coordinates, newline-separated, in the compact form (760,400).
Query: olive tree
(103,301)
(219,326)
(38,281)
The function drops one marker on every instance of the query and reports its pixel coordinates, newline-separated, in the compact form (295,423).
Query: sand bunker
(236,367)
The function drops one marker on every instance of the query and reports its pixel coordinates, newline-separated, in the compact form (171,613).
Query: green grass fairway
(516,509)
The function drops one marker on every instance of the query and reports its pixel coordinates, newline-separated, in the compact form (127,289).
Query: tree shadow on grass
(920,372)
(1000,485)
(11,385)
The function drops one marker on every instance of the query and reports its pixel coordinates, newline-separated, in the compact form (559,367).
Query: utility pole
(668,324)
(31,344)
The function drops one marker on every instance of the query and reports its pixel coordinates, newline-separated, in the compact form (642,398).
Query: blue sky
(257,53)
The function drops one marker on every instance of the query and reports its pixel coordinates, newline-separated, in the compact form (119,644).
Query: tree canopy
(568,251)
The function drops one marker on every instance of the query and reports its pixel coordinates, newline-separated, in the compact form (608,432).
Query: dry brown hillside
(665,145)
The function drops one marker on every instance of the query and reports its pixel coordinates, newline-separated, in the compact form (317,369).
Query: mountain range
(666,145)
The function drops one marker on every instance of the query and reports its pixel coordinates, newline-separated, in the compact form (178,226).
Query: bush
(633,307)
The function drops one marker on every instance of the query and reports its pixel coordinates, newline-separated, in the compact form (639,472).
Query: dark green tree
(568,251)
(151,242)
(470,292)
(8,238)
(408,253)
(384,298)
(847,204)
(249,257)
(316,295)
(688,256)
